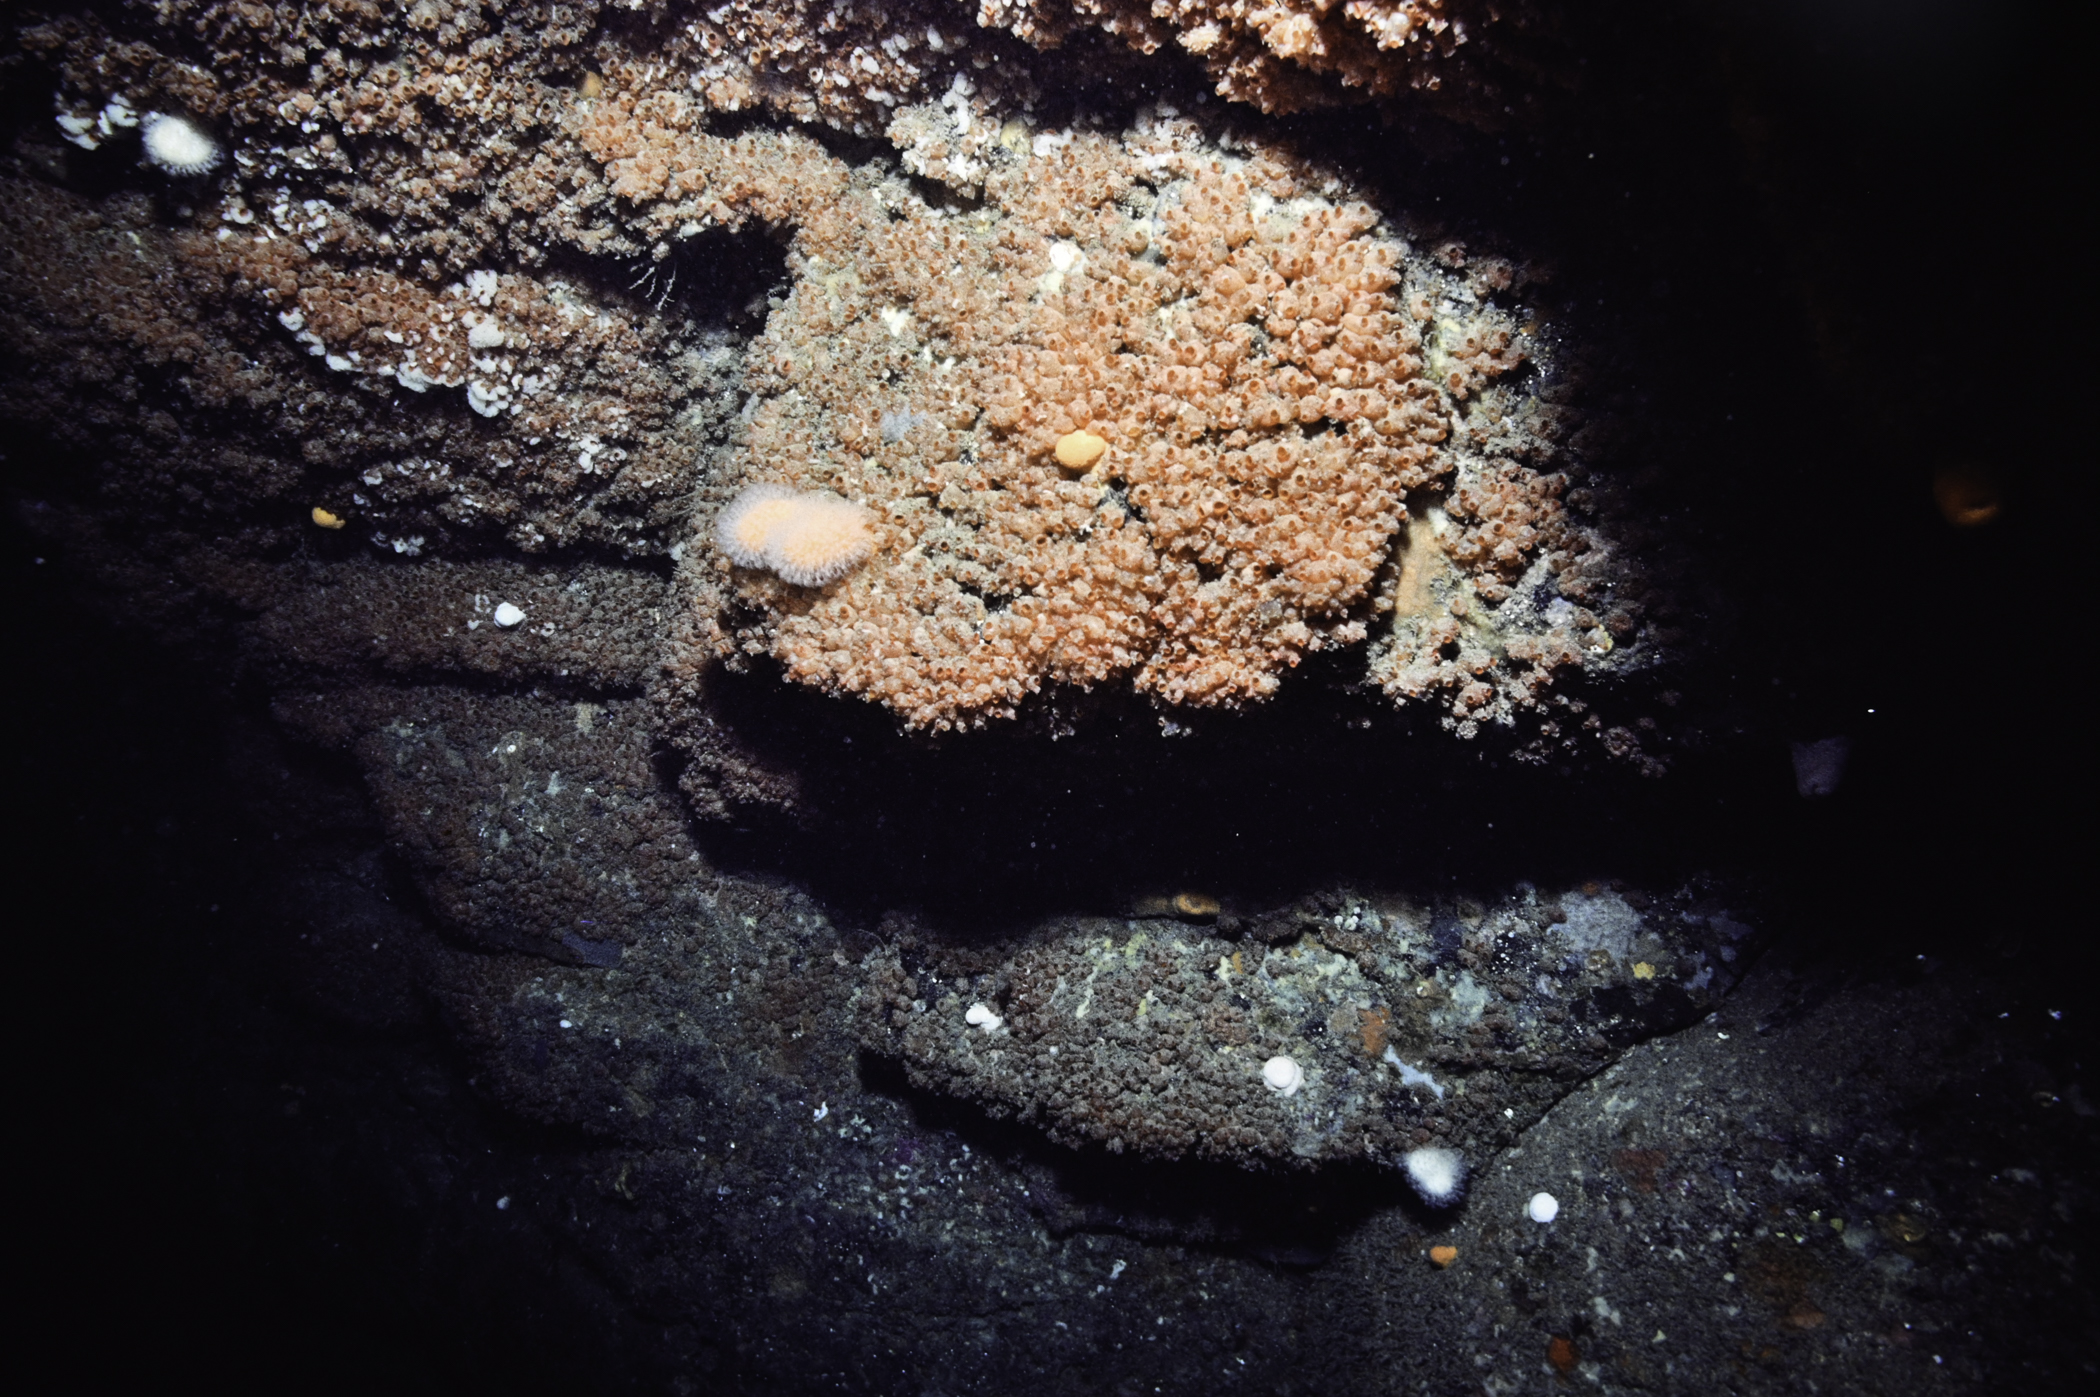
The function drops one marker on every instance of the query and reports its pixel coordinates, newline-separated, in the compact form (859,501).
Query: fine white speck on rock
(507,615)
(1282,1075)
(1543,1207)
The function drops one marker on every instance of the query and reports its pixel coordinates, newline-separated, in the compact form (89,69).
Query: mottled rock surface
(472,937)
(1408,1025)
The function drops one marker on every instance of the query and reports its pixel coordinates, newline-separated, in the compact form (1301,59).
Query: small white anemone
(1439,1175)
(179,145)
(1282,1075)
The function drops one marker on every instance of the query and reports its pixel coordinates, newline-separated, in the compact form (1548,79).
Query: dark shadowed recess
(1087,805)
(133,864)
(713,281)
(249,1163)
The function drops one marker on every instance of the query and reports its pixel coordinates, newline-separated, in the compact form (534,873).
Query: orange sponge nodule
(806,539)
(1079,450)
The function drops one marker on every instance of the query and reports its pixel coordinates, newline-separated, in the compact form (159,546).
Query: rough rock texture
(1412,1025)
(593,626)
(534,824)
(1864,1177)
(461,869)
(457,297)
(1824,1186)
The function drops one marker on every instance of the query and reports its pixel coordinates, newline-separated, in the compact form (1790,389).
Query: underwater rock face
(1409,1025)
(447,296)
(419,404)
(424,392)
(1467,59)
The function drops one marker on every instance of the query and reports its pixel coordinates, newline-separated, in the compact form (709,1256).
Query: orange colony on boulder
(1146,408)
(1214,337)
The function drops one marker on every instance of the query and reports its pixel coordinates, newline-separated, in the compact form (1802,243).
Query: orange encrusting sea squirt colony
(1274,380)
(1226,328)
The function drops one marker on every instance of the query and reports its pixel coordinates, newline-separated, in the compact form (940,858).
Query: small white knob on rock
(508,615)
(1283,1076)
(1543,1207)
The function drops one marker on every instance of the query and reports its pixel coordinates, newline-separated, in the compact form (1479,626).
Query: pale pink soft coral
(805,539)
